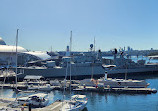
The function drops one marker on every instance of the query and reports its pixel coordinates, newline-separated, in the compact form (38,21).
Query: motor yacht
(36,100)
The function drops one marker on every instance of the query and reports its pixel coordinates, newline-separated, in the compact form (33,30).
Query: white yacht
(46,87)
(77,103)
(7,73)
(36,83)
(36,100)
(114,83)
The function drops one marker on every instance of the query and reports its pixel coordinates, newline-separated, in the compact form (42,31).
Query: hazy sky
(46,23)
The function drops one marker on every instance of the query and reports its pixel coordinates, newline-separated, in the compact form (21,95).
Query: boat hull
(76,72)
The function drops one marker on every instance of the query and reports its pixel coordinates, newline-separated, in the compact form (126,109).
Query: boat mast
(70,58)
(65,81)
(92,71)
(16,60)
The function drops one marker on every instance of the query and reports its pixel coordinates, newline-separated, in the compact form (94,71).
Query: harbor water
(108,101)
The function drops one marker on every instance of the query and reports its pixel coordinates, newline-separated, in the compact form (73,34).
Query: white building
(8,55)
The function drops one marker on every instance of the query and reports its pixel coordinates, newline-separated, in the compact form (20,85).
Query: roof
(78,96)
(2,41)
(33,77)
(39,54)
(8,48)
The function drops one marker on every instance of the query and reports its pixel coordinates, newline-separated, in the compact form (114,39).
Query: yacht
(114,83)
(46,87)
(7,73)
(77,103)
(36,83)
(36,100)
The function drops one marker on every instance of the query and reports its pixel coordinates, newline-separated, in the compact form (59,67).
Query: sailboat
(12,103)
(37,100)
(77,102)
(16,65)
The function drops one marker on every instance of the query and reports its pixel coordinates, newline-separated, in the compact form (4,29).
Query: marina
(101,100)
(85,55)
(46,85)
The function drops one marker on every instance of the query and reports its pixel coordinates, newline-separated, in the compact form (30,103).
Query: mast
(65,81)
(70,58)
(16,61)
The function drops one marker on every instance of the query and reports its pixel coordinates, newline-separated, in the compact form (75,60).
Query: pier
(90,88)
(52,107)
(117,90)
(6,102)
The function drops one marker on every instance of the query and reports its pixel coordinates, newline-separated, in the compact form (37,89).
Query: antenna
(70,58)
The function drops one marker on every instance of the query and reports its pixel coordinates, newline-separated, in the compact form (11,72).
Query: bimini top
(39,54)
(2,41)
(8,48)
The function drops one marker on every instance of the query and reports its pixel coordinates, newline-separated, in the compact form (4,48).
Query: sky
(44,24)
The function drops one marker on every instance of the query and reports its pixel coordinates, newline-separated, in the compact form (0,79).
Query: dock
(116,90)
(6,102)
(10,86)
(56,106)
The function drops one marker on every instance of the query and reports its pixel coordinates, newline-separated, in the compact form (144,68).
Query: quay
(19,86)
(93,89)
(22,86)
(5,104)
(56,106)
(8,103)
(116,90)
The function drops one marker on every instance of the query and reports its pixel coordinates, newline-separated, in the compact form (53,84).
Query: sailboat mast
(16,58)
(70,58)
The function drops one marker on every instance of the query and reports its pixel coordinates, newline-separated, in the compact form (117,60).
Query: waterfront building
(8,55)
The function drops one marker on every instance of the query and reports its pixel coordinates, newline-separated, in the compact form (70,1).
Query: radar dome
(2,41)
